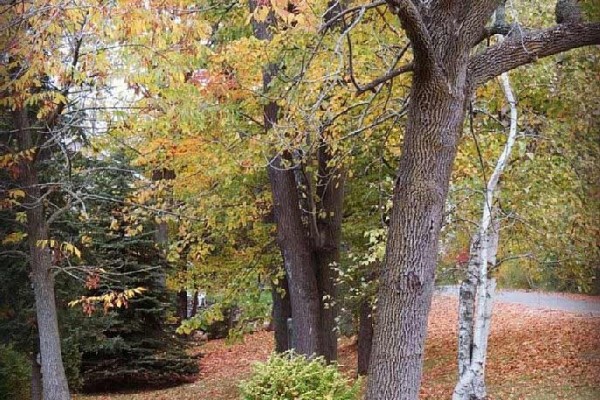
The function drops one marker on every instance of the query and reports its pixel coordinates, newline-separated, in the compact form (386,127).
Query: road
(539,300)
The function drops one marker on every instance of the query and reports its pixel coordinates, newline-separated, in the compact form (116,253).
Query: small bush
(514,276)
(290,376)
(15,374)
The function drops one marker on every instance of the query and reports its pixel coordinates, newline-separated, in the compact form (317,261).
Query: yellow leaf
(16,193)
(14,237)
(261,13)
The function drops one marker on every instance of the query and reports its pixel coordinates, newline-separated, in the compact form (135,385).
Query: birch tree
(477,291)
(448,67)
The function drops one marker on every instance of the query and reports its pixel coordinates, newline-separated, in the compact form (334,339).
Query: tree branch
(416,30)
(522,50)
(384,78)
(334,20)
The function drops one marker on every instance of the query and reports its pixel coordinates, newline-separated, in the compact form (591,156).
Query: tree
(477,290)
(134,348)
(308,222)
(446,71)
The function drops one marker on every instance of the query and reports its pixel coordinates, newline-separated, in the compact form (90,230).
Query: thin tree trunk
(194,310)
(54,381)
(365,336)
(471,383)
(36,379)
(330,195)
(326,260)
(182,305)
(474,385)
(162,230)
(282,310)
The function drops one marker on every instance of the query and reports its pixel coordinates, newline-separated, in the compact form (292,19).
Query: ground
(534,354)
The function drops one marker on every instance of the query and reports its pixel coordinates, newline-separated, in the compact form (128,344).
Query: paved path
(545,301)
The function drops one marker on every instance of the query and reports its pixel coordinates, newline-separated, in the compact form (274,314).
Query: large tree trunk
(406,284)
(365,336)
(307,254)
(54,380)
(282,310)
(299,260)
(446,71)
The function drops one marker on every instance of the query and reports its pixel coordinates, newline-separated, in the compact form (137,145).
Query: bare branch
(384,78)
(522,50)
(334,20)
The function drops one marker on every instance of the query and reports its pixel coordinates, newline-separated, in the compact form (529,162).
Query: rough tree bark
(330,195)
(36,378)
(298,258)
(54,380)
(365,336)
(309,250)
(445,75)
(282,310)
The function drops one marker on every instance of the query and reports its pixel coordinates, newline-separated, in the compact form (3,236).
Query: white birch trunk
(476,294)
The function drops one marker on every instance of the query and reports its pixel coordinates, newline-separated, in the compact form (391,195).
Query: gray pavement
(538,300)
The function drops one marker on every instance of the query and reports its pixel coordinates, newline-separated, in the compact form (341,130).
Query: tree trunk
(471,371)
(365,336)
(466,307)
(330,196)
(36,379)
(194,310)
(299,260)
(406,285)
(475,309)
(446,71)
(54,381)
(282,310)
(182,306)
(309,254)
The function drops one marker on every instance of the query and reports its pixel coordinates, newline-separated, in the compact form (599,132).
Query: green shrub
(514,276)
(15,374)
(291,376)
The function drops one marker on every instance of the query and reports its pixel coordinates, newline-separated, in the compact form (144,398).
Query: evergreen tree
(137,347)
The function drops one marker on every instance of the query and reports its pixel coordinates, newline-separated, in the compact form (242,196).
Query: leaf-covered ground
(538,355)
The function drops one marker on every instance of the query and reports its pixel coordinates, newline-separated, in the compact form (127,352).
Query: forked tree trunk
(309,255)
(54,381)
